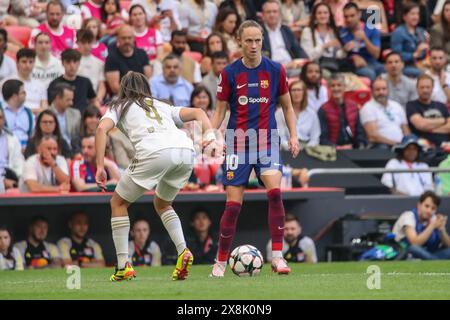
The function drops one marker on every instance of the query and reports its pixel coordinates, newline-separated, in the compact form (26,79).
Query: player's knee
(161,205)
(117,202)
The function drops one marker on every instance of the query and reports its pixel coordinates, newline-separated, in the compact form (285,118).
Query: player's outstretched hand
(100,178)
(213,148)
(294,146)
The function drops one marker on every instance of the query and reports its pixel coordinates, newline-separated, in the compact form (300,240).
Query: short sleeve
(111,63)
(175,113)
(98,252)
(111,114)
(20,265)
(407,219)
(54,251)
(387,178)
(375,37)
(29,172)
(223,87)
(156,253)
(366,115)
(309,248)
(90,90)
(283,82)
(62,164)
(412,109)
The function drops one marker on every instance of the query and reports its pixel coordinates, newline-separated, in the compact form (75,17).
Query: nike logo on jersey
(241,86)
(280,228)
(222,236)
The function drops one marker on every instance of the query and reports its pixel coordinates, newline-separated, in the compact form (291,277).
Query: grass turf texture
(399,280)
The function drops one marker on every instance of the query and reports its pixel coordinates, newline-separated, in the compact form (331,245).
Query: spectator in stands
(200,241)
(124,57)
(92,9)
(90,120)
(82,171)
(36,252)
(438,65)
(423,230)
(321,38)
(10,257)
(147,39)
(227,23)
(439,8)
(214,43)
(69,119)
(5,18)
(308,126)
(162,13)
(142,250)
(90,66)
(46,171)
(11,158)
(401,88)
(384,120)
(46,67)
(311,75)
(410,184)
(428,119)
(36,98)
(99,49)
(279,41)
(339,119)
(112,18)
(296,246)
(18,118)
(28,12)
(410,40)
(219,62)
(62,37)
(197,18)
(362,42)
(171,85)
(190,69)
(337,8)
(47,124)
(245,8)
(294,14)
(84,93)
(77,248)
(440,32)
(7,65)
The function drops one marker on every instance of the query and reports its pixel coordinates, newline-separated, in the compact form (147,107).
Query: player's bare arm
(101,135)
(219,114)
(289,116)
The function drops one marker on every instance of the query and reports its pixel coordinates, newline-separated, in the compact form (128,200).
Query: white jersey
(152,131)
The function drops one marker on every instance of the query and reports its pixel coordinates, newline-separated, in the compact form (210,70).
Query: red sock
(227,229)
(276,219)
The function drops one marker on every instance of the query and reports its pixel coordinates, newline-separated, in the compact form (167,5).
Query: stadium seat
(20,33)
(358,96)
(197,56)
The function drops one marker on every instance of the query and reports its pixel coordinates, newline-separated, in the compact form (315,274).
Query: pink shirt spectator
(100,51)
(91,10)
(113,23)
(149,41)
(62,40)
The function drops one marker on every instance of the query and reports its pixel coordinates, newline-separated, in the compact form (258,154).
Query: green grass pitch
(398,280)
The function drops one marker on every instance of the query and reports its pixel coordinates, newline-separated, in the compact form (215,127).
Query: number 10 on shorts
(232,161)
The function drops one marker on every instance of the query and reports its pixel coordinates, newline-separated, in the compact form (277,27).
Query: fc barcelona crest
(264,84)
(230,175)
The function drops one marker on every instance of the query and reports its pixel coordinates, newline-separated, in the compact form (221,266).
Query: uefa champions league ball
(246,261)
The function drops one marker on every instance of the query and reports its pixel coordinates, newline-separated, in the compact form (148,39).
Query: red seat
(20,33)
(125,4)
(358,96)
(197,56)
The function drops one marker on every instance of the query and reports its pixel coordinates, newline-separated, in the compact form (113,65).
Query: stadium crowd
(361,74)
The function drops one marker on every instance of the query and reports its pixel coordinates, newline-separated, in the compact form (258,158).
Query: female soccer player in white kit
(164,158)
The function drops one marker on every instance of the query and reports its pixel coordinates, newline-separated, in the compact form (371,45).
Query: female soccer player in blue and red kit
(252,87)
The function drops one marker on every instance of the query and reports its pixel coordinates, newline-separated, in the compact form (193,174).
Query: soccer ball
(246,261)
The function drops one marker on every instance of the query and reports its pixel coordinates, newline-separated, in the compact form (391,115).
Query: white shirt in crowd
(198,22)
(315,102)
(36,92)
(47,73)
(7,68)
(413,184)
(9,264)
(406,219)
(388,120)
(92,68)
(438,92)
(34,170)
(277,46)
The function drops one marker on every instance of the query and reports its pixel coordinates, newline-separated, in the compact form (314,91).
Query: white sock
(172,223)
(120,229)
(277,254)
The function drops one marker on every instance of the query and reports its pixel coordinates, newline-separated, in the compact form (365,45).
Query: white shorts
(167,169)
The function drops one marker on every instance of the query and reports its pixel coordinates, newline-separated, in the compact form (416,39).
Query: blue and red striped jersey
(253,95)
